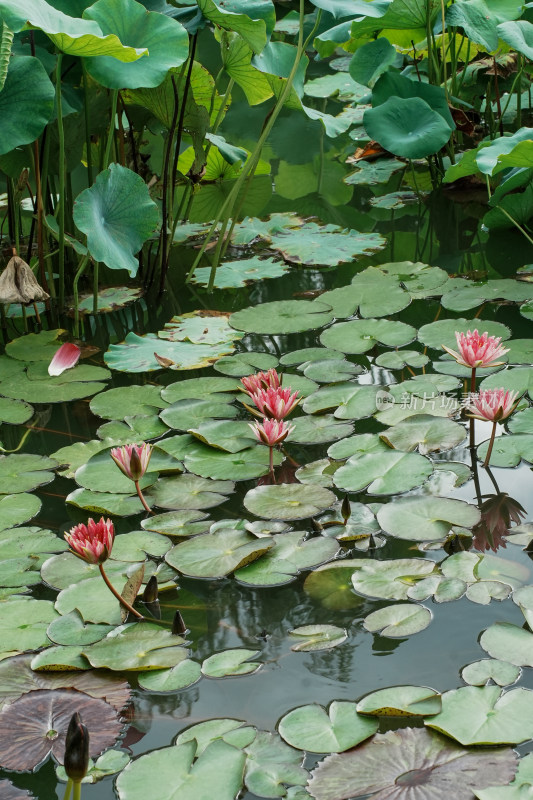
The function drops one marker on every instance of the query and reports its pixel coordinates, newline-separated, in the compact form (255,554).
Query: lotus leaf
(231,731)
(198,388)
(310,638)
(109,763)
(14,412)
(235,274)
(359,336)
(371,173)
(398,620)
(34,727)
(136,354)
(138,646)
(242,364)
(244,465)
(391,579)
(319,473)
(93,600)
(519,379)
(461,295)
(400,764)
(391,413)
(101,474)
(350,400)
(271,764)
(16,509)
(32,542)
(387,472)
(426,518)
(215,555)
(407,127)
(479,673)
(189,492)
(520,787)
(482,715)
(509,643)
(110,299)
(59,658)
(508,451)
(121,505)
(183,675)
(282,316)
(327,245)
(24,472)
(331,585)
(331,370)
(308,355)
(288,501)
(164,40)
(52,390)
(290,554)
(220,764)
(72,630)
(319,429)
(317,730)
(128,401)
(185,414)
(401,701)
(230,663)
(27,101)
(398,359)
(374,293)
(427,433)
(200,327)
(229,435)
(10,792)
(62,570)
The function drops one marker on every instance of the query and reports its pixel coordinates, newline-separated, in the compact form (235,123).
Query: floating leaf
(399,763)
(242,466)
(316,730)
(350,400)
(282,316)
(482,715)
(391,579)
(371,173)
(242,364)
(319,429)
(386,472)
(128,401)
(426,518)
(121,505)
(189,491)
(16,509)
(198,388)
(271,765)
(435,334)
(288,501)
(235,274)
(109,763)
(401,701)
(14,412)
(398,359)
(214,555)
(34,727)
(479,673)
(407,127)
(427,433)
(291,554)
(508,642)
(328,245)
(229,663)
(331,585)
(362,335)
(373,292)
(137,646)
(136,354)
(24,622)
(184,674)
(309,638)
(398,620)
(109,299)
(200,327)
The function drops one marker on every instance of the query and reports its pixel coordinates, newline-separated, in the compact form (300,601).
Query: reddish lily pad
(410,764)
(34,727)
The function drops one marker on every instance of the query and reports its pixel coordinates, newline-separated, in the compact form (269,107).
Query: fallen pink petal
(66,357)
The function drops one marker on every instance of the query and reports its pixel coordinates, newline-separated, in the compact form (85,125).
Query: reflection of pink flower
(66,357)
(498,511)
(477,349)
(492,405)
(92,542)
(132,459)
(271,431)
(261,380)
(277,403)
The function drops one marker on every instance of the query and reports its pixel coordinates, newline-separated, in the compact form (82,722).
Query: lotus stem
(77,791)
(472,421)
(491,445)
(68,790)
(61,205)
(121,601)
(271,460)
(107,153)
(81,269)
(141,498)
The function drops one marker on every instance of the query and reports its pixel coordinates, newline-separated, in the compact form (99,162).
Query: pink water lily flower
(493,405)
(66,357)
(261,380)
(277,403)
(132,459)
(477,349)
(92,542)
(271,431)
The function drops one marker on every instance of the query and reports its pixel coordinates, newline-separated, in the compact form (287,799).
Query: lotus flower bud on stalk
(493,405)
(346,510)
(76,755)
(261,380)
(477,350)
(93,543)
(271,432)
(178,624)
(132,460)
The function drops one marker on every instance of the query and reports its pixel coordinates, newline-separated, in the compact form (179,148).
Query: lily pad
(242,466)
(121,505)
(16,509)
(24,622)
(427,433)
(334,730)
(435,334)
(24,472)
(361,335)
(109,299)
(34,727)
(198,388)
(72,630)
(235,274)
(185,414)
(189,492)
(14,412)
(483,715)
(426,518)
(479,673)
(327,245)
(310,638)
(290,554)
(128,401)
(230,663)
(401,701)
(319,429)
(385,472)
(509,643)
(372,293)
(200,327)
(407,762)
(391,579)
(398,359)
(350,400)
(242,364)
(288,501)
(138,646)
(331,370)
(282,316)
(398,620)
(331,585)
(214,555)
(183,675)
(136,354)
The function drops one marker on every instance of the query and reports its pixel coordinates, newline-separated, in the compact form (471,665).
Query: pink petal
(66,357)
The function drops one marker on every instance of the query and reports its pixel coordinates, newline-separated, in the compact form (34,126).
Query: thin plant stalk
(40,214)
(517,224)
(141,498)
(88,148)
(77,791)
(491,444)
(472,441)
(118,596)
(95,287)
(271,461)
(111,134)
(68,790)
(61,203)
(81,269)
(225,210)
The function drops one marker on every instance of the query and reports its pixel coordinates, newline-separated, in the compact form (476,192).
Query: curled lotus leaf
(399,765)
(35,726)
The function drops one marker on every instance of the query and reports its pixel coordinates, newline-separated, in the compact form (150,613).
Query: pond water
(223,614)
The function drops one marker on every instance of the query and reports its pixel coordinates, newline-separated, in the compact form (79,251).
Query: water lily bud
(76,749)
(346,511)
(178,625)
(151,592)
